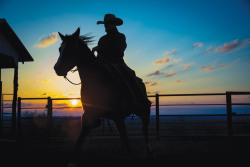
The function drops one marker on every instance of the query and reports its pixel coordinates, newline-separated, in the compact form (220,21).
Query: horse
(101,95)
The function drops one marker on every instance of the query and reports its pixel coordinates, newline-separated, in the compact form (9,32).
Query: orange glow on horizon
(74,102)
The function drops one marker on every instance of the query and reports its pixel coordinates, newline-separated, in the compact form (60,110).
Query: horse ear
(61,36)
(77,33)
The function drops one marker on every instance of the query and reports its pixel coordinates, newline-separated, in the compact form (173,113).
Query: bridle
(67,79)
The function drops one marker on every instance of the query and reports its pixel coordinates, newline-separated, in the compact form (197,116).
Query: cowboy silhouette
(110,51)
(111,89)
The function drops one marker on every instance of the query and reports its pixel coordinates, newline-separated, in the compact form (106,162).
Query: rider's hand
(95,49)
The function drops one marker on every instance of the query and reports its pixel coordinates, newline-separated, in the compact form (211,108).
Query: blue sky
(174,46)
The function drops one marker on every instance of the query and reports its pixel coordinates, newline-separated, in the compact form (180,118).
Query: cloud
(222,66)
(47,40)
(170,66)
(208,49)
(43,94)
(68,94)
(166,53)
(155,92)
(178,81)
(23,104)
(197,44)
(228,65)
(207,68)
(169,74)
(227,47)
(27,104)
(61,105)
(176,61)
(45,81)
(167,58)
(156,73)
(188,66)
(150,83)
(162,61)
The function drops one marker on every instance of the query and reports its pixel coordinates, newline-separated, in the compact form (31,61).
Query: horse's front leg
(123,135)
(85,129)
(84,132)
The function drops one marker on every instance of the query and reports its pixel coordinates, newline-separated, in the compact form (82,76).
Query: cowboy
(111,46)
(110,51)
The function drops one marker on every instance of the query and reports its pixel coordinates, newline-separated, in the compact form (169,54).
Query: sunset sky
(174,46)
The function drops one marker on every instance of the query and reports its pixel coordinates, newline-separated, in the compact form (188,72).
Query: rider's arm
(95,49)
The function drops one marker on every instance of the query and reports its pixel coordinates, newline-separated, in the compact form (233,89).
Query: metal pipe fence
(229,114)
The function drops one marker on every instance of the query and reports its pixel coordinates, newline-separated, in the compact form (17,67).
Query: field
(68,128)
(183,141)
(105,151)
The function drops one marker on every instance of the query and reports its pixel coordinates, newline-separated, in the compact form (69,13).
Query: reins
(71,81)
(66,78)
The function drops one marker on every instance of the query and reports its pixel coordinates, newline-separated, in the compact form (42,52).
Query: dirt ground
(105,151)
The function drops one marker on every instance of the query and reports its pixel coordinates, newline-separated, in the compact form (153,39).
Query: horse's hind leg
(145,122)
(123,135)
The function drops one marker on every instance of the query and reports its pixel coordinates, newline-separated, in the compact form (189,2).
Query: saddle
(127,79)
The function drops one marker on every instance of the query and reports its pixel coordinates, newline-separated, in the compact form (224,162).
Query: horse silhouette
(102,95)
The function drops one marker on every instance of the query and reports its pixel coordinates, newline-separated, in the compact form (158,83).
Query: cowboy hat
(110,18)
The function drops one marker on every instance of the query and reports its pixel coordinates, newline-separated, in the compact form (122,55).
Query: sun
(74,102)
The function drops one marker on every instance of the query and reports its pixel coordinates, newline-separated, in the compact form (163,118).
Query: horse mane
(86,39)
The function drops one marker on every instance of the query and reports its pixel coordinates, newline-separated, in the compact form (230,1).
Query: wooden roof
(23,54)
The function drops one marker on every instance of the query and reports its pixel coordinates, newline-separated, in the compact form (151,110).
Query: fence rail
(157,106)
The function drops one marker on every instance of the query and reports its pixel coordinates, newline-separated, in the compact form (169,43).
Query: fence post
(19,108)
(1,98)
(49,116)
(229,113)
(14,101)
(157,116)
(18,117)
(49,112)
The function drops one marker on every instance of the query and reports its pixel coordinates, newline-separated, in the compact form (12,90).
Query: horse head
(68,49)
(73,52)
